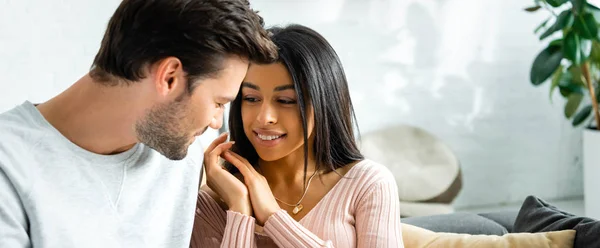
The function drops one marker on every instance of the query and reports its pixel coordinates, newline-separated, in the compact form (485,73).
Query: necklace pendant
(297,209)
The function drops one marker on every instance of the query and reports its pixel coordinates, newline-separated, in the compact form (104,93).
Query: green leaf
(577,75)
(533,8)
(556,3)
(566,79)
(557,42)
(565,19)
(585,25)
(542,25)
(572,104)
(576,48)
(571,89)
(578,5)
(583,114)
(593,10)
(567,86)
(590,6)
(595,54)
(555,80)
(572,48)
(546,62)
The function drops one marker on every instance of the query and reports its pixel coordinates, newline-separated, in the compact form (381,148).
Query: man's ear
(170,77)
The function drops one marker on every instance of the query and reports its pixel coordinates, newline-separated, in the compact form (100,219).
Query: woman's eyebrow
(250,85)
(284,87)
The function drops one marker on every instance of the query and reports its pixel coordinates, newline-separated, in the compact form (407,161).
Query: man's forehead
(226,98)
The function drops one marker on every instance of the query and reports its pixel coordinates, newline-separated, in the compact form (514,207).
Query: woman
(299,179)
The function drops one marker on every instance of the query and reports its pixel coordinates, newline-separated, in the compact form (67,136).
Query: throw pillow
(416,237)
(537,215)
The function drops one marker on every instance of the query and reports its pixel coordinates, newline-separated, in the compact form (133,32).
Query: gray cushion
(457,223)
(537,215)
(504,218)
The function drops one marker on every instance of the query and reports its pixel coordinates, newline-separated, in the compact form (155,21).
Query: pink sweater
(361,210)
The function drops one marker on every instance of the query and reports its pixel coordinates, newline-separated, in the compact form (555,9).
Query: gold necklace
(297,207)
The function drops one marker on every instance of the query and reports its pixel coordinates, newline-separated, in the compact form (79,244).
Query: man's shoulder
(19,134)
(17,127)
(15,115)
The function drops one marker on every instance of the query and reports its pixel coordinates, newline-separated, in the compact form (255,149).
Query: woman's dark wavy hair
(320,82)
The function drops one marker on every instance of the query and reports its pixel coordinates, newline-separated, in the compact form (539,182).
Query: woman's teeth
(268,137)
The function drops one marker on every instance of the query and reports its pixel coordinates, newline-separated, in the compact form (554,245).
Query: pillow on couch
(416,237)
(537,215)
(466,223)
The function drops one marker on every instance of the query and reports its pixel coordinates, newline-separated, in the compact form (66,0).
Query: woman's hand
(263,201)
(227,186)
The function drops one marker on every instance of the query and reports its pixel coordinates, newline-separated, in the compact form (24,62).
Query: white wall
(458,68)
(45,46)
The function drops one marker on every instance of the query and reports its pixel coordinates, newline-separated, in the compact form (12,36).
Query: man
(109,161)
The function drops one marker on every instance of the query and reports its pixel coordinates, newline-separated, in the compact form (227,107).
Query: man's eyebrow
(226,99)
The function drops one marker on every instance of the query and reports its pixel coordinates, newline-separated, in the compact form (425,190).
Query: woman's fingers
(217,141)
(243,161)
(240,165)
(264,203)
(213,156)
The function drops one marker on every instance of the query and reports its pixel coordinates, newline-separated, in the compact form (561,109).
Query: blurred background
(456,69)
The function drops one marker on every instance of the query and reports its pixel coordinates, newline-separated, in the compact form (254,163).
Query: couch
(535,216)
(494,223)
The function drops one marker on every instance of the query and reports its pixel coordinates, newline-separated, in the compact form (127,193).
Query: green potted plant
(571,63)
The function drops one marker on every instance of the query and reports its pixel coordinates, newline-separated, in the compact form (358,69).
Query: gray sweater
(56,194)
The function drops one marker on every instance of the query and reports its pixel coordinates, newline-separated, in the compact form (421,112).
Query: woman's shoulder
(367,179)
(370,171)
(362,176)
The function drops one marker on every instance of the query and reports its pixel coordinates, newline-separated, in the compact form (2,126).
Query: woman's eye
(220,105)
(250,99)
(287,101)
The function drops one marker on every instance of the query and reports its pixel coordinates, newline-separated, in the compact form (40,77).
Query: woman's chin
(268,155)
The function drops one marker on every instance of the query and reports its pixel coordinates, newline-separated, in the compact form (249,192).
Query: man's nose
(216,122)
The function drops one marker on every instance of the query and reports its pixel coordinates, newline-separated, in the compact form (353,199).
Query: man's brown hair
(200,33)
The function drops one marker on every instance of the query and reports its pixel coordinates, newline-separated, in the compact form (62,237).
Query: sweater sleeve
(378,215)
(13,219)
(215,227)
(287,232)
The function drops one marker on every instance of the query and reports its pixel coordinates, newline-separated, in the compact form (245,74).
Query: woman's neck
(289,170)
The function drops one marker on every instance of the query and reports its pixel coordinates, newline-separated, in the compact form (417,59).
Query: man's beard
(164,129)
